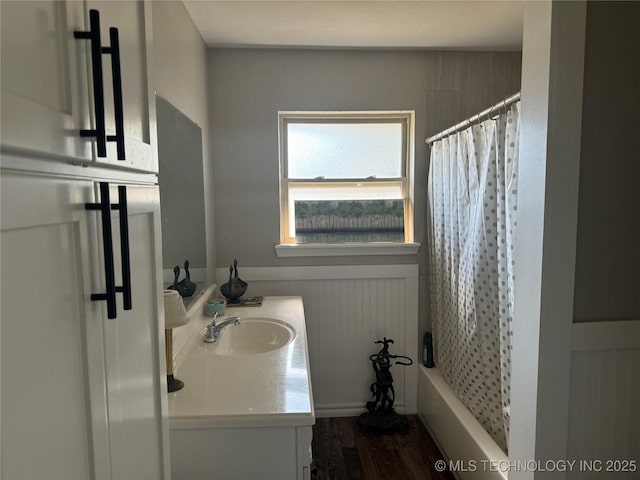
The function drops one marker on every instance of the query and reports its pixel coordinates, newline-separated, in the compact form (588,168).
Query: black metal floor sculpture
(381,416)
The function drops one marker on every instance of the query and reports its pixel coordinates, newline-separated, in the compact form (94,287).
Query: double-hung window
(346,180)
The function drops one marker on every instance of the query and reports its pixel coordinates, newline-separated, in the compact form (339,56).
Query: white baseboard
(347,410)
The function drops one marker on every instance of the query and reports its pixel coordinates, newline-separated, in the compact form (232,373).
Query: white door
(48,93)
(45,101)
(53,414)
(132,18)
(81,396)
(134,346)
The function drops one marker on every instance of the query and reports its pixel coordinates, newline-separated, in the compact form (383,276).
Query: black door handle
(98,91)
(97,50)
(125,289)
(107,246)
(105,208)
(116,75)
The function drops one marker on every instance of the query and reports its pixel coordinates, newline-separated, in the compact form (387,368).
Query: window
(346,178)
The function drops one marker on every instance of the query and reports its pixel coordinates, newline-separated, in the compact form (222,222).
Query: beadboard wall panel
(604,418)
(347,309)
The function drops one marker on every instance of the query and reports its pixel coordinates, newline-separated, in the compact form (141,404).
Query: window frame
(406,118)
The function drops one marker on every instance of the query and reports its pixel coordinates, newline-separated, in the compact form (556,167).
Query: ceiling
(460,25)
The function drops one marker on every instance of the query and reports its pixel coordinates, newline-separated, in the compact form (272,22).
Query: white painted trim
(407,178)
(335,272)
(13,160)
(343,114)
(411,343)
(550,134)
(340,250)
(605,335)
(330,410)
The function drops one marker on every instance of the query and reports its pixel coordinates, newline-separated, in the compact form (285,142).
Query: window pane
(344,150)
(349,191)
(349,221)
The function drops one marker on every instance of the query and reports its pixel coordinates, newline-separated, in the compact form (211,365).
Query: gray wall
(180,68)
(608,243)
(248,87)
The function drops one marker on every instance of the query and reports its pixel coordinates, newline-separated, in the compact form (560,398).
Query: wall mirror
(181,193)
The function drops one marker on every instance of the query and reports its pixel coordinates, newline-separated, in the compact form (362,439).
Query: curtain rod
(482,115)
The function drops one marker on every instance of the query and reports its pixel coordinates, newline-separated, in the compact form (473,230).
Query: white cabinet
(51,341)
(134,347)
(47,81)
(256,453)
(45,101)
(82,396)
(133,21)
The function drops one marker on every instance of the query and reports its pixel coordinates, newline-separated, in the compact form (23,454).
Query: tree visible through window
(345,177)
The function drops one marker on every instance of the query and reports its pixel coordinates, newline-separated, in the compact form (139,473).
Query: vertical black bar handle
(116,74)
(107,246)
(98,91)
(124,246)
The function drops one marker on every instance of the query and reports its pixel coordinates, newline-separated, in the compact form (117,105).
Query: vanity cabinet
(256,453)
(82,395)
(48,82)
(245,413)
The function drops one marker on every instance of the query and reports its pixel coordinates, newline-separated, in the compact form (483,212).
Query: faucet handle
(213,321)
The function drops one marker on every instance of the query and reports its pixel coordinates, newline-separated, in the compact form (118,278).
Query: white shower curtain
(472,209)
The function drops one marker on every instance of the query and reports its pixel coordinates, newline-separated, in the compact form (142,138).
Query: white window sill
(346,249)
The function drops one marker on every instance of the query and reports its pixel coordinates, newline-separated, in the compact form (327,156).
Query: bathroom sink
(254,335)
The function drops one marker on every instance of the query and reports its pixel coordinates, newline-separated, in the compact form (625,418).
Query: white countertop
(266,389)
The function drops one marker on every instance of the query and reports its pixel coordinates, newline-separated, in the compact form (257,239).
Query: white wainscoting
(347,308)
(604,416)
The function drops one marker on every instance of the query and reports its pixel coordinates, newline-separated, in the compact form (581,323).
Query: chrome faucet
(215,327)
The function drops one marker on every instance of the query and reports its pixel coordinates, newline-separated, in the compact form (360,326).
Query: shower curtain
(472,208)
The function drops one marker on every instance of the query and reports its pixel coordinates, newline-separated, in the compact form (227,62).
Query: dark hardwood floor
(343,451)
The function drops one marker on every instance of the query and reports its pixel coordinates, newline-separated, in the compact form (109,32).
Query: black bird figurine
(177,286)
(235,269)
(235,287)
(187,285)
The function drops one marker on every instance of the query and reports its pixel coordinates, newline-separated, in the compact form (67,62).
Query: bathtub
(469,449)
